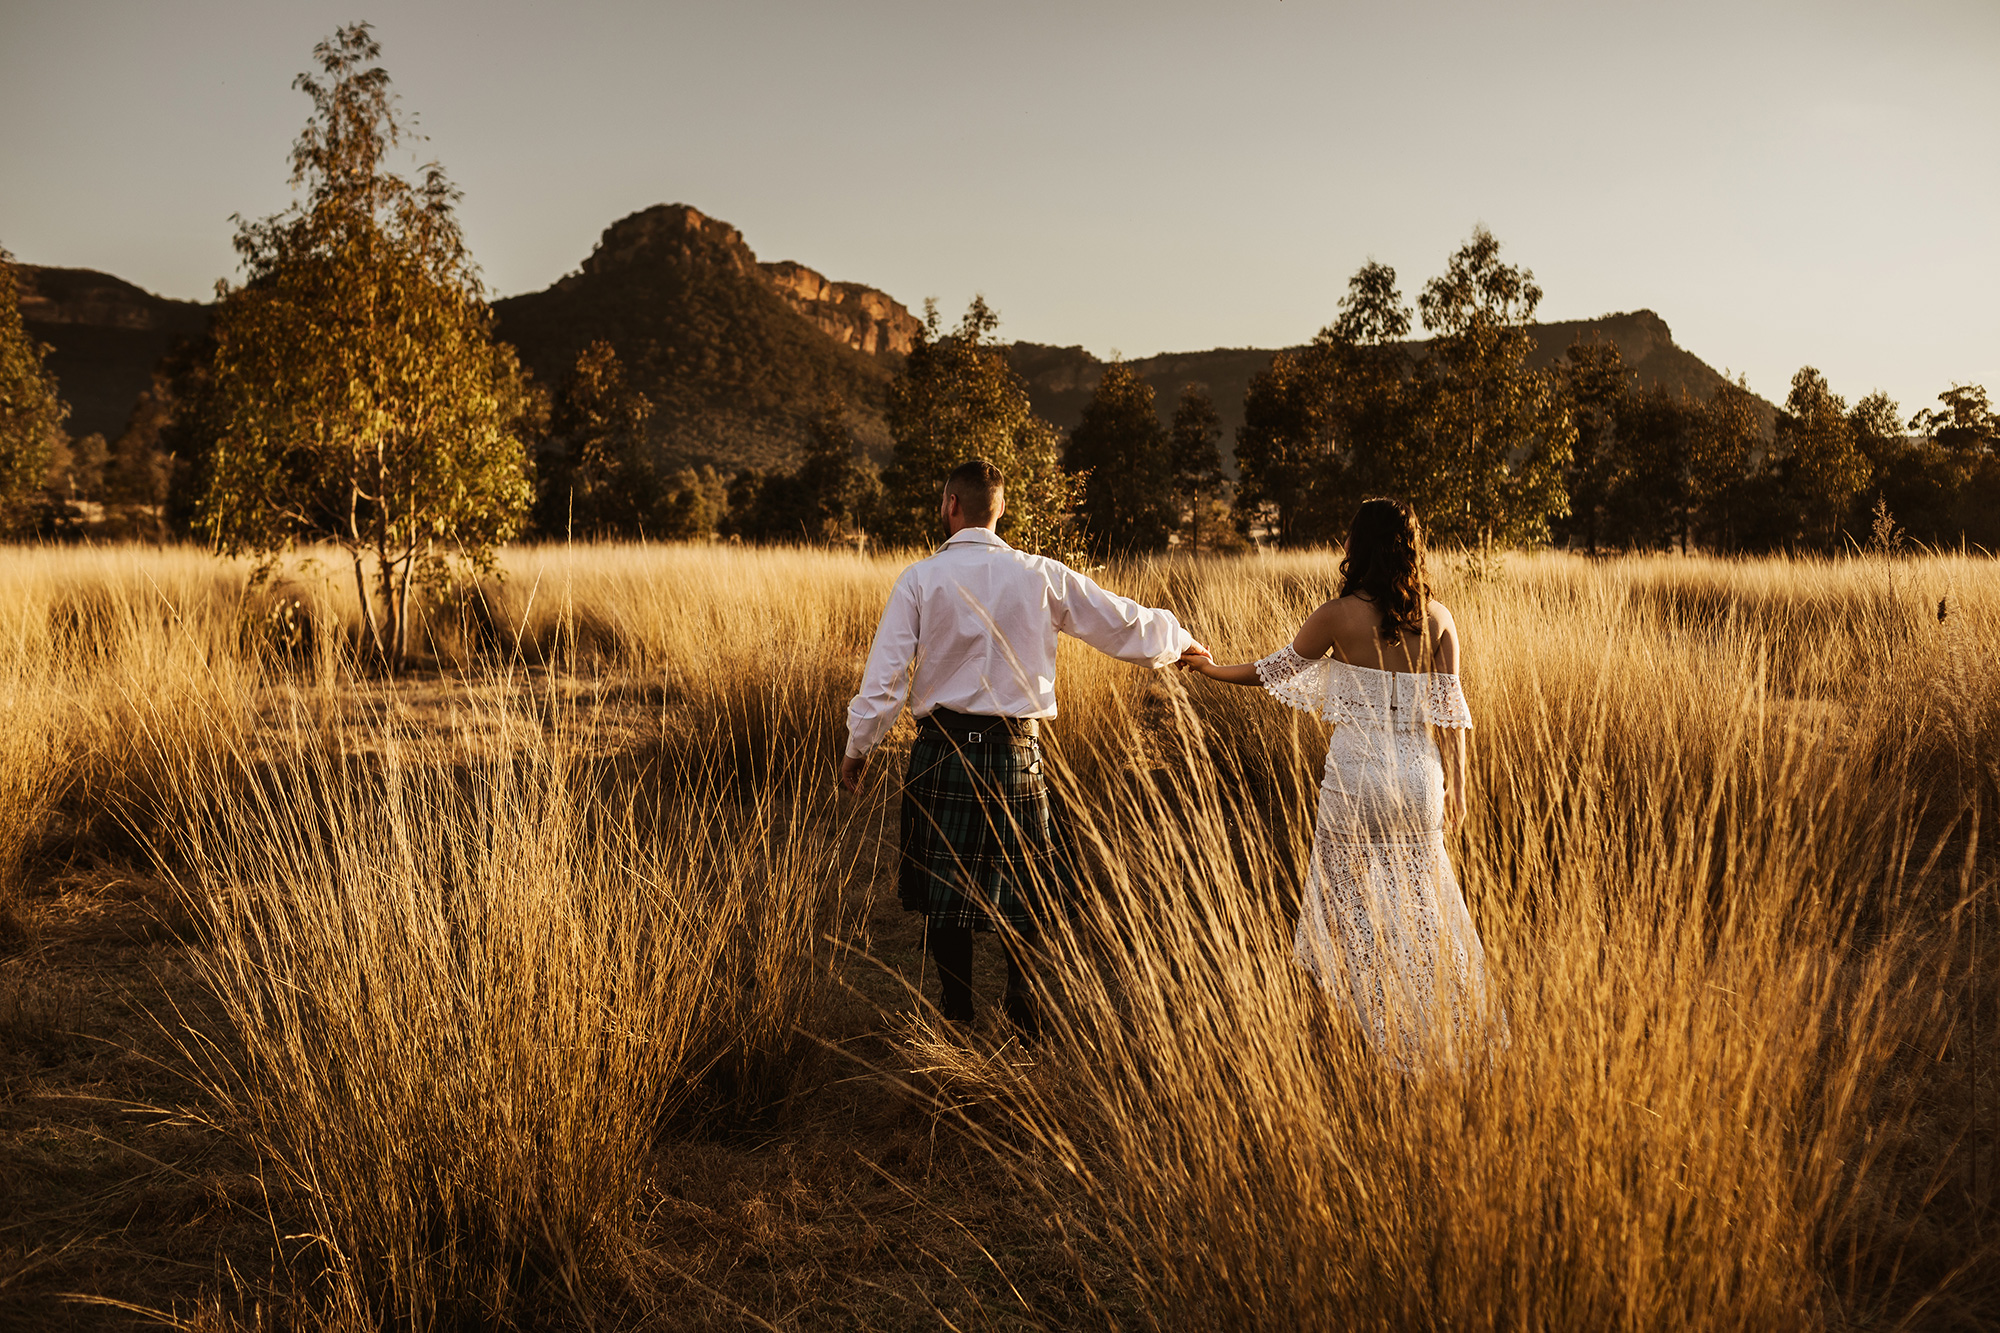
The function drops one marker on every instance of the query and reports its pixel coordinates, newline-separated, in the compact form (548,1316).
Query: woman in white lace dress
(1382,923)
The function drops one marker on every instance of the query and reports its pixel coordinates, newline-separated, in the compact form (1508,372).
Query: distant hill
(736,355)
(1061,379)
(105,336)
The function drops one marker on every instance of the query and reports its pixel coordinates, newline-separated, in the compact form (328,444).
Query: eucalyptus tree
(597,474)
(356,395)
(956,399)
(1122,453)
(1820,468)
(1194,455)
(31,413)
(1494,433)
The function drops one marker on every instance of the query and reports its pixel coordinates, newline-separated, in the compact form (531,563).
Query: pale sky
(1811,182)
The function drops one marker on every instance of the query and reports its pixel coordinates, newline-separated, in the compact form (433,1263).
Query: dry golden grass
(484,940)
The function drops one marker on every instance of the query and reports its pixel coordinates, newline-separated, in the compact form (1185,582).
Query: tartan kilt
(979,839)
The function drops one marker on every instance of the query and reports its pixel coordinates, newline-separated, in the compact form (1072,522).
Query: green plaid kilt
(979,841)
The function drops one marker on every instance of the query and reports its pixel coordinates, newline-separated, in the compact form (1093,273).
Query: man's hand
(853,768)
(1194,655)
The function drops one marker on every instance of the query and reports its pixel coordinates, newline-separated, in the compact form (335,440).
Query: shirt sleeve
(1296,681)
(885,681)
(1118,626)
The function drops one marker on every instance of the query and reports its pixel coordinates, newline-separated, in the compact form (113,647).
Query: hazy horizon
(1785,184)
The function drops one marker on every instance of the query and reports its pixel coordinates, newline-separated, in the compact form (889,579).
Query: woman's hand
(1454,807)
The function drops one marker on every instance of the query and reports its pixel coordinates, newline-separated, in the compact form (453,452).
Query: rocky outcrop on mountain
(734,358)
(859,317)
(105,336)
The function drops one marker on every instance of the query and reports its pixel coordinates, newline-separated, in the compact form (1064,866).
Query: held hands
(1195,658)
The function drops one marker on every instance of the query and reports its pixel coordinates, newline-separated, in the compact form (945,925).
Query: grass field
(554,985)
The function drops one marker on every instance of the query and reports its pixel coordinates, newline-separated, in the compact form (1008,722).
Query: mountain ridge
(105,337)
(1060,379)
(736,353)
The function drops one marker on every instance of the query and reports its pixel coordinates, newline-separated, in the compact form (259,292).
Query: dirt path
(111,1186)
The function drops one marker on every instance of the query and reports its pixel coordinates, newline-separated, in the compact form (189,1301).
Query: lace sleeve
(1295,680)
(1444,702)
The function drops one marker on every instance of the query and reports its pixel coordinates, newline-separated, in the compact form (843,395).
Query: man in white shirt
(969,640)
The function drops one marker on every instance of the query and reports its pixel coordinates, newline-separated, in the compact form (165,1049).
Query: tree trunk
(393,607)
(368,608)
(403,604)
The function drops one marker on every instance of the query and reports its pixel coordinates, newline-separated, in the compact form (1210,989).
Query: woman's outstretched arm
(1243,673)
(1312,641)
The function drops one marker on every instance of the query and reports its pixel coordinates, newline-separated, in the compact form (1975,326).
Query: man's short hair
(979,487)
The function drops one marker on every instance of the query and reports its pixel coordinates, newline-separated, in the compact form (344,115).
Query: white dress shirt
(973,629)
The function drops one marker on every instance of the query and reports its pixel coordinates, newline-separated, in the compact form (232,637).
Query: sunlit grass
(482,934)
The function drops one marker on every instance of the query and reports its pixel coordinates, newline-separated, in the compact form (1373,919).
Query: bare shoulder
(1351,613)
(1442,632)
(1333,620)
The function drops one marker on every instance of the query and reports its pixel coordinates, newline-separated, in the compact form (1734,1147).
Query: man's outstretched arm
(885,682)
(1120,627)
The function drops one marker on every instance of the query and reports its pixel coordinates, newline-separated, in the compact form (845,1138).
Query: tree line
(350,392)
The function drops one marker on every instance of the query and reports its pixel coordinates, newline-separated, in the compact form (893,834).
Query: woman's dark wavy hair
(1385,563)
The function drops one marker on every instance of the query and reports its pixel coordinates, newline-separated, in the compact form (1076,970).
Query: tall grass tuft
(465,992)
(1718,913)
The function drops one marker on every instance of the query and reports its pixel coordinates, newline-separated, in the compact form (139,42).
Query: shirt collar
(975,537)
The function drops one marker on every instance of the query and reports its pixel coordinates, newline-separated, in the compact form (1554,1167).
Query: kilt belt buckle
(975,737)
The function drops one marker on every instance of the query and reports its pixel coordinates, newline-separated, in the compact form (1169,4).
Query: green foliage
(1724,435)
(1285,453)
(1943,484)
(1820,469)
(822,502)
(958,399)
(1651,504)
(596,469)
(355,395)
(1122,454)
(1471,435)
(696,500)
(1598,382)
(1329,424)
(1967,426)
(1495,435)
(31,414)
(1371,392)
(1195,466)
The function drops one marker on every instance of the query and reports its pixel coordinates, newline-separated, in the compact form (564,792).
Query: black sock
(951,949)
(1022,1010)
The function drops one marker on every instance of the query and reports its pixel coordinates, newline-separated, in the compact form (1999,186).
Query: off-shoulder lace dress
(1382,923)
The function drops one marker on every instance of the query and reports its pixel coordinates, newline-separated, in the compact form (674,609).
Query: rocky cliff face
(861,317)
(851,314)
